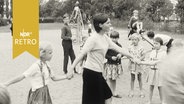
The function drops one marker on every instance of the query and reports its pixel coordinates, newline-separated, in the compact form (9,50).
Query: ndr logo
(25,34)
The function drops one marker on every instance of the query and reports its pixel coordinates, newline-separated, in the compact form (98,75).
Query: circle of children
(99,79)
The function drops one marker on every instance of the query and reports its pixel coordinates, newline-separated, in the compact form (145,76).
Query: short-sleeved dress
(154,76)
(137,52)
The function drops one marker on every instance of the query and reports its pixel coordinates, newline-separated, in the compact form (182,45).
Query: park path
(66,91)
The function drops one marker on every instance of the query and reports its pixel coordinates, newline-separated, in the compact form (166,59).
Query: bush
(4,22)
(119,23)
(59,19)
(171,26)
(181,28)
(46,20)
(148,24)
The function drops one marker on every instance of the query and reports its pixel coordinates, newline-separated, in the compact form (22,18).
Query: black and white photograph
(96,52)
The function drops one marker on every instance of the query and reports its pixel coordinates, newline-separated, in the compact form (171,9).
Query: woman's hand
(136,60)
(119,56)
(114,58)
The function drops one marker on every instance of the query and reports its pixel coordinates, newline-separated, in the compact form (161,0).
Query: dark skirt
(89,31)
(40,96)
(169,44)
(95,88)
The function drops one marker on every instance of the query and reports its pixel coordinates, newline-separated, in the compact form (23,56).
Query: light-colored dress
(154,76)
(138,52)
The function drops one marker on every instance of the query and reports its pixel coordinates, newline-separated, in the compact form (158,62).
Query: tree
(167,9)
(124,8)
(7,9)
(180,10)
(1,8)
(48,8)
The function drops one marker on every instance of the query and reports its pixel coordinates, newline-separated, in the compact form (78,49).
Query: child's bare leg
(132,81)
(132,85)
(113,85)
(110,83)
(160,93)
(151,93)
(108,101)
(139,77)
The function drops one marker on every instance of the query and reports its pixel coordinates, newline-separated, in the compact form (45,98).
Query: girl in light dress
(154,77)
(136,70)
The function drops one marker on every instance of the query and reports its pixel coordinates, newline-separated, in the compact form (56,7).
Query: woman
(95,88)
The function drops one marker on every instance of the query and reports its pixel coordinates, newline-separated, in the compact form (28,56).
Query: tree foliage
(1,8)
(151,9)
(157,8)
(180,10)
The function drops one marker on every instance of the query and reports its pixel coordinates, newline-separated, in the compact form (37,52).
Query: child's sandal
(131,94)
(142,95)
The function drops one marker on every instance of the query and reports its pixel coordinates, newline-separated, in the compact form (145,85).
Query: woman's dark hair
(98,19)
(158,39)
(151,34)
(114,34)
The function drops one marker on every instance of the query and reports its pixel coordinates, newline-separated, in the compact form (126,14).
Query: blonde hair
(4,96)
(135,11)
(44,46)
(135,36)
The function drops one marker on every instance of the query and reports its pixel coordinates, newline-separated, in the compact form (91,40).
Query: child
(154,78)
(39,74)
(89,28)
(113,66)
(4,95)
(137,51)
(167,40)
(134,24)
(75,12)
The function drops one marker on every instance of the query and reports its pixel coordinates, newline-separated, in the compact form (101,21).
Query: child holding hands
(39,74)
(137,51)
(113,66)
(154,78)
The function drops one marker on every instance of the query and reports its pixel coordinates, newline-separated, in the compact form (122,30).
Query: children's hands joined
(136,60)
(114,58)
(119,56)
(69,76)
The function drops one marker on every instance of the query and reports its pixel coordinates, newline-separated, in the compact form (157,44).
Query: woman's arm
(119,49)
(15,80)
(76,61)
(150,63)
(88,46)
